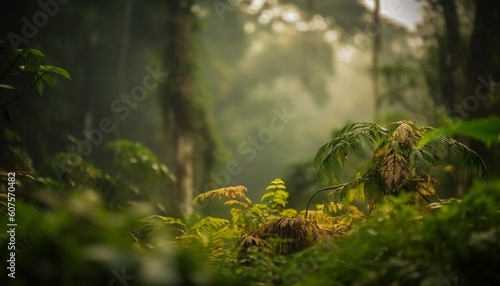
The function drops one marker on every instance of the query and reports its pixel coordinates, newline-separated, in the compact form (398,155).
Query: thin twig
(10,67)
(26,91)
(318,191)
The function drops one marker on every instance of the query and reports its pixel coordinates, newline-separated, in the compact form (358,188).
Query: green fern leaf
(460,155)
(209,224)
(330,159)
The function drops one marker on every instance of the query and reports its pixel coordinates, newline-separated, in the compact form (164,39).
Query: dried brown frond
(395,171)
(285,235)
(237,192)
(251,240)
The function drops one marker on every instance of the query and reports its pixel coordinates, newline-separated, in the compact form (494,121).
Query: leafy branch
(401,160)
(32,68)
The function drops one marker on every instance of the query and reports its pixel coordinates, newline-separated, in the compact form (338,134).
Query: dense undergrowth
(99,227)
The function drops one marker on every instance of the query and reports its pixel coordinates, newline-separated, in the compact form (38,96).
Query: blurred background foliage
(247,64)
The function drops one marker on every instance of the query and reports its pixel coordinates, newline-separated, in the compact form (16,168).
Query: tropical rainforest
(250,142)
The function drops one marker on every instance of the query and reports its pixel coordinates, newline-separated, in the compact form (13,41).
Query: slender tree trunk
(307,36)
(457,69)
(122,63)
(376,60)
(177,103)
(456,53)
(184,166)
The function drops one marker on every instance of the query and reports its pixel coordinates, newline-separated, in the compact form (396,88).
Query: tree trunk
(483,66)
(456,67)
(177,103)
(376,59)
(456,56)
(484,57)
(122,62)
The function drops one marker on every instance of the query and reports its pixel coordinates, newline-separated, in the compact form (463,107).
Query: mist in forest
(271,80)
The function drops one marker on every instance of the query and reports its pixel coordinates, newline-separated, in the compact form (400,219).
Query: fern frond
(238,192)
(277,196)
(238,217)
(422,161)
(374,187)
(209,224)
(330,159)
(460,155)
(252,240)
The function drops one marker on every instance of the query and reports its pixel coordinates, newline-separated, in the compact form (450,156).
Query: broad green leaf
(39,86)
(49,79)
(32,63)
(58,70)
(36,52)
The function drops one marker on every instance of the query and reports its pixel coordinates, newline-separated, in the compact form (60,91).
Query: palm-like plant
(399,162)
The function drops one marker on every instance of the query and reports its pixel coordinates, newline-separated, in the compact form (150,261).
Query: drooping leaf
(460,155)
(330,159)
(36,52)
(39,86)
(49,79)
(58,70)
